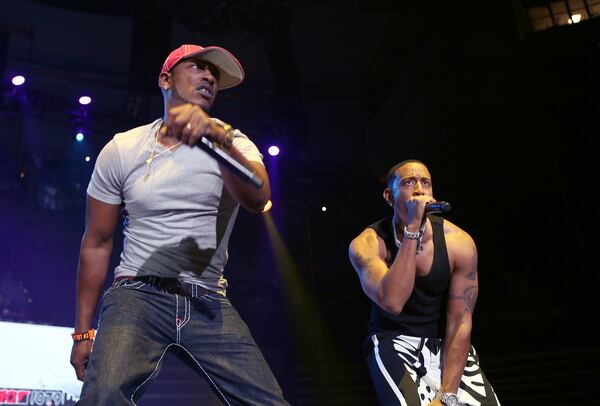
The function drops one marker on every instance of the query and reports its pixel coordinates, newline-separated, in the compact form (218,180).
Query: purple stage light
(85,100)
(273,150)
(18,80)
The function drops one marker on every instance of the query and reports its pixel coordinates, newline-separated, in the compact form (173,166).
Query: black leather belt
(171,285)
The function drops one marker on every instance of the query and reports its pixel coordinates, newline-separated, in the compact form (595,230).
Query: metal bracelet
(412,235)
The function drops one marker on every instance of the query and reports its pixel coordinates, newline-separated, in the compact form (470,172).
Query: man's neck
(165,140)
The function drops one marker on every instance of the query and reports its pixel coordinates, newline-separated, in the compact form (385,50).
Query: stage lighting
(85,100)
(18,80)
(324,208)
(79,136)
(267,207)
(273,150)
(575,18)
(87,158)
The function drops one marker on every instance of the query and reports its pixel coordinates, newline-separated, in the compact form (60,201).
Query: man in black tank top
(420,271)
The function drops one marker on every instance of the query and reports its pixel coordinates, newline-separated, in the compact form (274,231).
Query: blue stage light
(18,80)
(273,150)
(85,100)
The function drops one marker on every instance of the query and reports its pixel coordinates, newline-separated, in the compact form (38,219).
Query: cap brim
(231,72)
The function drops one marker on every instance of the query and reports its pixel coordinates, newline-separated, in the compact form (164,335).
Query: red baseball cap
(230,69)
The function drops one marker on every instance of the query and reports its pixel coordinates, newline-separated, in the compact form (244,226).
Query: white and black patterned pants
(406,371)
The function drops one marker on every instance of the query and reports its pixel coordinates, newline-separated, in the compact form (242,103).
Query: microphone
(235,166)
(437,207)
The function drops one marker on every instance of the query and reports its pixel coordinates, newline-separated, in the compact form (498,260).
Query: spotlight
(324,208)
(85,100)
(273,150)
(267,206)
(18,80)
(87,158)
(79,136)
(575,18)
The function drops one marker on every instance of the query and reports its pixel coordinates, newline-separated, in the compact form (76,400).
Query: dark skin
(389,283)
(189,91)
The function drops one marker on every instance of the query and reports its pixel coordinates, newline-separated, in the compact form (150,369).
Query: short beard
(177,96)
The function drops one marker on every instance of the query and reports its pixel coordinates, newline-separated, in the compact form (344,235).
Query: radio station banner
(34,365)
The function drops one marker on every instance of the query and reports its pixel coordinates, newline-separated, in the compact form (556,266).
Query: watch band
(447,398)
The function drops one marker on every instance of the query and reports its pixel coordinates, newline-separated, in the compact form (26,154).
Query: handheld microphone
(437,207)
(235,166)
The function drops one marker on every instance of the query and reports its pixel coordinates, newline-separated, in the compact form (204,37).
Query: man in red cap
(179,206)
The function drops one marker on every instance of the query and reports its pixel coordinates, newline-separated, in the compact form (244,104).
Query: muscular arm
(389,287)
(96,247)
(461,303)
(251,198)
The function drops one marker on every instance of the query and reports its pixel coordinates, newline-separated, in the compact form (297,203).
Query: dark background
(505,118)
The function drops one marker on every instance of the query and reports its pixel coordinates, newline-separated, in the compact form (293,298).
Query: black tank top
(424,314)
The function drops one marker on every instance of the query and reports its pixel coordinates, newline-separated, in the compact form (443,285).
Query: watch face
(451,400)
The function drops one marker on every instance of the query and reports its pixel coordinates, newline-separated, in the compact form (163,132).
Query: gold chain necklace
(153,157)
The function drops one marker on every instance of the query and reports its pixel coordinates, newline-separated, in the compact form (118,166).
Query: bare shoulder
(456,235)
(367,236)
(366,245)
(461,246)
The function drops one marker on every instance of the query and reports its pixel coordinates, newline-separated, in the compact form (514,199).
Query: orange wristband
(86,335)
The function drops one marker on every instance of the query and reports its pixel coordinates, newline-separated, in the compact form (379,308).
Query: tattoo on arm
(472,276)
(469,296)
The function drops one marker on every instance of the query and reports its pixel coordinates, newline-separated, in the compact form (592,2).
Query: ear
(388,196)
(164,80)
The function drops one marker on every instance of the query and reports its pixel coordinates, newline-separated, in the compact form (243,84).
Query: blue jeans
(139,323)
